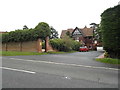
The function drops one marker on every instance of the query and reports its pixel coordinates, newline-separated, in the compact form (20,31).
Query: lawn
(109,60)
(15,53)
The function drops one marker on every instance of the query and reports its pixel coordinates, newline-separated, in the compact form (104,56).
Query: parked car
(84,49)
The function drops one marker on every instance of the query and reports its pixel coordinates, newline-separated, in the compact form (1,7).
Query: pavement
(72,70)
(101,56)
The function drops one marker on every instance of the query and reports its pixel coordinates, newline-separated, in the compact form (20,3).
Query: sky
(61,14)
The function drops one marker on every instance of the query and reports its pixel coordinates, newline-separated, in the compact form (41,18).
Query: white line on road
(65,64)
(26,71)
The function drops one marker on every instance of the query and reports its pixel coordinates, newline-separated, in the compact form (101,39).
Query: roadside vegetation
(110,27)
(52,52)
(15,53)
(110,33)
(42,30)
(27,34)
(66,44)
(109,60)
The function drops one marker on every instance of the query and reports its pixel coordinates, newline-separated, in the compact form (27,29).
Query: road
(73,70)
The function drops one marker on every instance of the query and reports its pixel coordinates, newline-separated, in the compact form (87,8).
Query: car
(83,49)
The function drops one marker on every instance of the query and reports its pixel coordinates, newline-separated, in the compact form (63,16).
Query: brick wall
(29,46)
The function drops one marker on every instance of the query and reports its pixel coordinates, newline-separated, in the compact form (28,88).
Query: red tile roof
(86,31)
(64,32)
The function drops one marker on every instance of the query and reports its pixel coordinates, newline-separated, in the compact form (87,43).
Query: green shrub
(66,44)
(76,45)
(57,44)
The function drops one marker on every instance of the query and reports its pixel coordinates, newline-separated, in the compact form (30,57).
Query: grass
(51,52)
(109,60)
(16,53)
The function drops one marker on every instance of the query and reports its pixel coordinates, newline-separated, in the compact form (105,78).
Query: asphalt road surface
(73,70)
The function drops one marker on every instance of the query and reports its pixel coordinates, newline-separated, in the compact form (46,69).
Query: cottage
(82,35)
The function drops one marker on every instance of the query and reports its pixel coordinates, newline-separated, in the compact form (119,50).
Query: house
(82,35)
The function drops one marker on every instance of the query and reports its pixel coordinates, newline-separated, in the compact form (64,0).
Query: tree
(42,30)
(54,33)
(96,32)
(25,27)
(93,25)
(110,26)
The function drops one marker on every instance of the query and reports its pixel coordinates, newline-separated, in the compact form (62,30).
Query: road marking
(26,71)
(65,64)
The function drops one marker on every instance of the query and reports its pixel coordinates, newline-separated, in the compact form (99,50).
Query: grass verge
(15,53)
(51,52)
(109,60)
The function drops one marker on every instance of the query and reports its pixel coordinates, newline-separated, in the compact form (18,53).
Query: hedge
(65,44)
(42,30)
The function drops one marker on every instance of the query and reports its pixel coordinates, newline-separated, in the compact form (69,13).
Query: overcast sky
(61,14)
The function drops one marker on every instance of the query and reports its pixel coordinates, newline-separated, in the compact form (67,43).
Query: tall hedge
(110,25)
(40,31)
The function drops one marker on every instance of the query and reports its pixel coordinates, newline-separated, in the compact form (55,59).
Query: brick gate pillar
(39,45)
(46,44)
(48,47)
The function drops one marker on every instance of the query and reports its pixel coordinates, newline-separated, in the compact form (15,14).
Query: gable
(76,32)
(85,32)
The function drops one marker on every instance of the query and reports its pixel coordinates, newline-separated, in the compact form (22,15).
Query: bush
(76,45)
(66,44)
(57,44)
